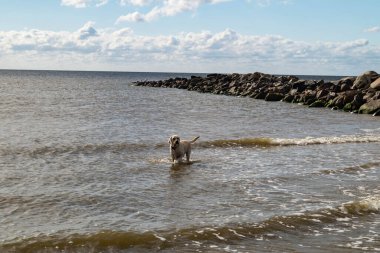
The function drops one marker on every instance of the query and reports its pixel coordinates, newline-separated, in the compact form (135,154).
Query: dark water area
(85,167)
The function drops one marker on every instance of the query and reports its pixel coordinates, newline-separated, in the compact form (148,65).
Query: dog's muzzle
(174,146)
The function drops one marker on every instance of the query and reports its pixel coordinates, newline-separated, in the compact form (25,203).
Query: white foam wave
(369,204)
(372,203)
(372,130)
(329,140)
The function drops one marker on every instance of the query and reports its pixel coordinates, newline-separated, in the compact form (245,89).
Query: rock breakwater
(359,94)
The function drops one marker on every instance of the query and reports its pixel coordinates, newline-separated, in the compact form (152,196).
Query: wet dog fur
(178,148)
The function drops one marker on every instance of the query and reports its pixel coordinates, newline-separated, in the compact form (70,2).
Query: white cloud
(351,45)
(75,3)
(83,3)
(374,29)
(162,8)
(135,2)
(87,31)
(132,17)
(226,51)
(101,3)
(167,8)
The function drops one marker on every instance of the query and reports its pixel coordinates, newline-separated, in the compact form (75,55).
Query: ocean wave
(114,241)
(270,142)
(77,149)
(243,142)
(371,130)
(351,170)
(219,143)
(329,140)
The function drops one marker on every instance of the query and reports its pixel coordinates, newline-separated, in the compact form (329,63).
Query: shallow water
(85,167)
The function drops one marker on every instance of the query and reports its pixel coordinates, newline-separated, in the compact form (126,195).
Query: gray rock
(274,97)
(308,97)
(299,85)
(337,102)
(233,90)
(371,107)
(321,94)
(350,93)
(288,98)
(260,95)
(348,107)
(342,99)
(345,86)
(376,84)
(347,80)
(318,103)
(364,80)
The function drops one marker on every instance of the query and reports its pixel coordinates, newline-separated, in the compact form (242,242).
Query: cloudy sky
(326,37)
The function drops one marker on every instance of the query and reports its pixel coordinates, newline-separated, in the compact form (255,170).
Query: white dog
(180,148)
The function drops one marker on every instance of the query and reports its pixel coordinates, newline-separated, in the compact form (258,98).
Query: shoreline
(359,94)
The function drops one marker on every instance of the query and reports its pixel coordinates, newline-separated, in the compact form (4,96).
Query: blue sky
(326,37)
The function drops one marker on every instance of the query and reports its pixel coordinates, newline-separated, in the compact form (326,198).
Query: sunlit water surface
(85,167)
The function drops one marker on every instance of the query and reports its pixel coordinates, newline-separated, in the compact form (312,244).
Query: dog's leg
(188,155)
(172,156)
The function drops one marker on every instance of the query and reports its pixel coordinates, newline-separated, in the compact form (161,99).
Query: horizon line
(166,72)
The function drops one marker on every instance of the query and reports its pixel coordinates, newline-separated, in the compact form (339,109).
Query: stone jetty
(359,94)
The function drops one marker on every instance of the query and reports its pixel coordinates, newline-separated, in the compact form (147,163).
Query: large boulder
(364,80)
(342,99)
(354,105)
(326,86)
(371,107)
(299,85)
(348,79)
(288,98)
(318,103)
(376,84)
(234,91)
(308,97)
(346,83)
(274,97)
(321,94)
(259,95)
(337,102)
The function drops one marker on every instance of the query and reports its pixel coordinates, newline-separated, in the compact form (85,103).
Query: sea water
(85,167)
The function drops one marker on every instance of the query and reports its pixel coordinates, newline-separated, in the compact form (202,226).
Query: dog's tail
(195,139)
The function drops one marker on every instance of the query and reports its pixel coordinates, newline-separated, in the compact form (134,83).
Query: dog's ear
(170,140)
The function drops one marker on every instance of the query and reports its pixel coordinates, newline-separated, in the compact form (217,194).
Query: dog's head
(174,141)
